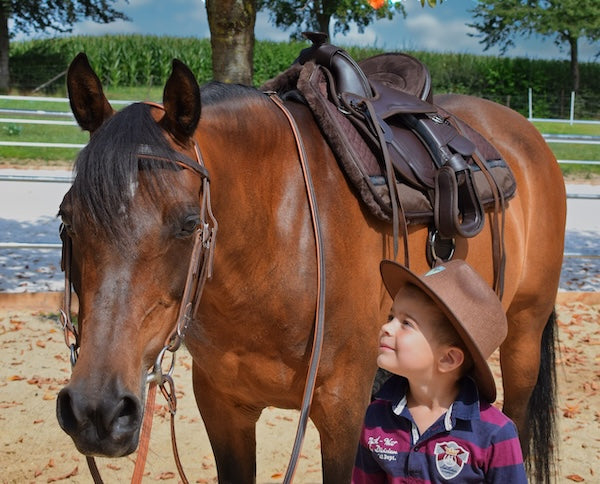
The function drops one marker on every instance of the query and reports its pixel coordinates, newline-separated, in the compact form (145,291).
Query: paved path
(28,214)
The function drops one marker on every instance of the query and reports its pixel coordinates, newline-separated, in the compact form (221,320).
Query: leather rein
(199,271)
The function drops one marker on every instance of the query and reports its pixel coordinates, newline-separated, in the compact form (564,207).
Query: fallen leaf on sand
(73,473)
(163,476)
(570,411)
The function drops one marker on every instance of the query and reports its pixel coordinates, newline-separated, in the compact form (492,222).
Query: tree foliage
(567,21)
(59,16)
(47,15)
(315,15)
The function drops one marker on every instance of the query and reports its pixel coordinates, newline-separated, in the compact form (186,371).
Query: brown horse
(131,219)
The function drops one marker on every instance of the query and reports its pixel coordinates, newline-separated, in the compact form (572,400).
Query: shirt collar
(466,406)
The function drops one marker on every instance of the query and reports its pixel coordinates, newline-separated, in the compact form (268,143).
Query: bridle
(199,271)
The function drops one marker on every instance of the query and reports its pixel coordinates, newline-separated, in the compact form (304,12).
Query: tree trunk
(323,21)
(324,10)
(574,63)
(4,49)
(231,24)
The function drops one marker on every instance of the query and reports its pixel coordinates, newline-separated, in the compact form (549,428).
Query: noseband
(199,271)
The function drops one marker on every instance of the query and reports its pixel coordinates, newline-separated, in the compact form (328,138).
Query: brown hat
(468,302)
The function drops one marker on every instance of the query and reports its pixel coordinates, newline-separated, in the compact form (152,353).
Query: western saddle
(411,161)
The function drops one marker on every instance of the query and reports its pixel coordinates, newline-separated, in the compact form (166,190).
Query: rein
(199,271)
(317,346)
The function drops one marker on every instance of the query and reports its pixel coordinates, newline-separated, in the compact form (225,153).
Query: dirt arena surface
(35,366)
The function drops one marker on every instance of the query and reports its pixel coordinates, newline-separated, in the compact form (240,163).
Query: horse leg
(230,427)
(530,393)
(338,413)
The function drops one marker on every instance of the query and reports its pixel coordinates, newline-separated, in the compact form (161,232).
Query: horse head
(131,219)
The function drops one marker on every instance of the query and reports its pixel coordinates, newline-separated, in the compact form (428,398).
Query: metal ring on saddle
(436,244)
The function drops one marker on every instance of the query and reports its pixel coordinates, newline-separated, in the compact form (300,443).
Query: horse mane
(109,167)
(214,92)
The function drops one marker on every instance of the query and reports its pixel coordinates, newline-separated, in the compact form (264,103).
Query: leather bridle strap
(199,270)
(320,304)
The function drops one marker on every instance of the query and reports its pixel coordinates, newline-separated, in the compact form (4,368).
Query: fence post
(572,113)
(530,96)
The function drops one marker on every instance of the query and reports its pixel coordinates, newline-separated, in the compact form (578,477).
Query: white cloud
(87,27)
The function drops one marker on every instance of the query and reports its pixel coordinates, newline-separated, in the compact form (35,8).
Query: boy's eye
(390,317)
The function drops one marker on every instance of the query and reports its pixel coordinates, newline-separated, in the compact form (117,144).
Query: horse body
(257,311)
(252,335)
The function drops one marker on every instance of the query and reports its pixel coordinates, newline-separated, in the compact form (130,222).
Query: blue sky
(439,29)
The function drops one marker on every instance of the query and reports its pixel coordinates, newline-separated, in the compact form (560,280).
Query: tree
(47,15)
(316,15)
(231,24)
(565,20)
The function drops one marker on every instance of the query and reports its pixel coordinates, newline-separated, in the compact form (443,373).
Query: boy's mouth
(384,347)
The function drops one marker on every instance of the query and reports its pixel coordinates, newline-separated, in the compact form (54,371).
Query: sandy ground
(35,366)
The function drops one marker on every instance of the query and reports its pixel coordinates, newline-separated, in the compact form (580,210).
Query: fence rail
(69,179)
(550,138)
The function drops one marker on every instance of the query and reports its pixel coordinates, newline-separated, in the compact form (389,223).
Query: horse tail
(542,450)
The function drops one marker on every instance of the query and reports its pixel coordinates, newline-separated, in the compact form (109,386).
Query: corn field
(142,60)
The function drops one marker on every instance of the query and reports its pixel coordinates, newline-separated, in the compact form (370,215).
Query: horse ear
(181,99)
(88,102)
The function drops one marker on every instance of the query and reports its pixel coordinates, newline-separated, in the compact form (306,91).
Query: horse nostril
(127,414)
(65,413)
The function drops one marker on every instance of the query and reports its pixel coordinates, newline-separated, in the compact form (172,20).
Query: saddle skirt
(431,151)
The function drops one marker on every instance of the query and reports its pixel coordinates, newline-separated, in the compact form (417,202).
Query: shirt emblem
(450,459)
(383,448)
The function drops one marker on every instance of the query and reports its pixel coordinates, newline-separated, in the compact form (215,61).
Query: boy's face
(407,343)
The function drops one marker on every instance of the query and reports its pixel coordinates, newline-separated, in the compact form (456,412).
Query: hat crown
(473,302)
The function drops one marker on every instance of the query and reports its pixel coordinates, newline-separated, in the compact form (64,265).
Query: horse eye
(189,226)
(65,223)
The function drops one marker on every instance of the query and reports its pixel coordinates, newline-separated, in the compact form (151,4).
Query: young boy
(433,421)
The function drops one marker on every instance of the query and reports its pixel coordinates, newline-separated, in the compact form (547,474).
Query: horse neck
(241,141)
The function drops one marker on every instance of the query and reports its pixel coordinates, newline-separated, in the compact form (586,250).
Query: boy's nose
(388,328)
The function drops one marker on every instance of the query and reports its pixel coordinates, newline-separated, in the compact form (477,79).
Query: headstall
(199,271)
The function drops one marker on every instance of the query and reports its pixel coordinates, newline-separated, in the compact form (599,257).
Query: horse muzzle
(104,424)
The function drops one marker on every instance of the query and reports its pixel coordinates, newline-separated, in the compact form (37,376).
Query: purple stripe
(360,477)
(490,414)
(507,453)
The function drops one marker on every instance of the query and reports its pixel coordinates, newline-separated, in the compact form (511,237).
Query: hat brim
(396,276)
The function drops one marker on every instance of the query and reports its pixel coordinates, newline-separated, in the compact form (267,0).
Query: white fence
(573,139)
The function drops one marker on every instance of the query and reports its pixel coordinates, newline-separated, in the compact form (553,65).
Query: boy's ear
(451,359)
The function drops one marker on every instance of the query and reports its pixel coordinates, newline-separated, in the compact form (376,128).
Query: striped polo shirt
(472,442)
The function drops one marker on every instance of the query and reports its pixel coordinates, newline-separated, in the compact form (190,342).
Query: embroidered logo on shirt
(381,446)
(450,459)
